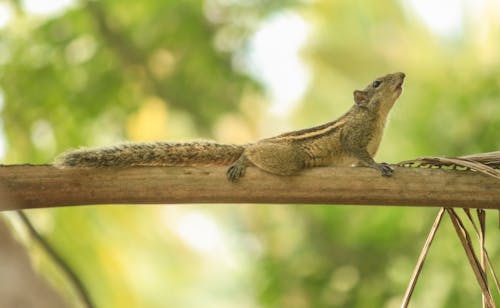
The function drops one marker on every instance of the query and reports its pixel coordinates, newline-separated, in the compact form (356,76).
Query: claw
(235,172)
(385,169)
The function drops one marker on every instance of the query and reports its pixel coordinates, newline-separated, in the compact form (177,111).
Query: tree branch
(39,186)
(58,260)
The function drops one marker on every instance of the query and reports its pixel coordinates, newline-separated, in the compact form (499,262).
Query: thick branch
(37,186)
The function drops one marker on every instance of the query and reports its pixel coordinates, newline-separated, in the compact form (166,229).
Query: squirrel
(352,139)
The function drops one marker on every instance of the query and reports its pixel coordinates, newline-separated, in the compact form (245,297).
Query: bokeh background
(87,73)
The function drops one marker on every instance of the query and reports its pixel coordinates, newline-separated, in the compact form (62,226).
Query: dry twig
(421,259)
(486,163)
(473,260)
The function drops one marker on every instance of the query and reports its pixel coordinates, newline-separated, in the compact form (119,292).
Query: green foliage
(82,77)
(103,59)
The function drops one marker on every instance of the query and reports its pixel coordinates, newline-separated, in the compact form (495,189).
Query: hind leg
(279,159)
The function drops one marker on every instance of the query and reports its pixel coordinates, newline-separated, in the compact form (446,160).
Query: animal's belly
(335,160)
(344,161)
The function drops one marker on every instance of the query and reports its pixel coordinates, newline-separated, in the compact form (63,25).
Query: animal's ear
(361,97)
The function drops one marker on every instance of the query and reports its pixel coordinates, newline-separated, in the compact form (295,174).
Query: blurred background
(89,73)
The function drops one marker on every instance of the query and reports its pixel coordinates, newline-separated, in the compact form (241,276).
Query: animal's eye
(376,83)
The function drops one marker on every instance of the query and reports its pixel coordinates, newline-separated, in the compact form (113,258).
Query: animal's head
(381,93)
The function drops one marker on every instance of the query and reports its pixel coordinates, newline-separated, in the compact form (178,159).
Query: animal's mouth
(398,89)
(399,85)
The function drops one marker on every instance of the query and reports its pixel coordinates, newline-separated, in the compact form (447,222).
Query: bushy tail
(152,154)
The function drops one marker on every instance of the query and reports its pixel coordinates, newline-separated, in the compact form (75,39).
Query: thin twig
(421,259)
(486,163)
(482,223)
(61,263)
(473,260)
(488,260)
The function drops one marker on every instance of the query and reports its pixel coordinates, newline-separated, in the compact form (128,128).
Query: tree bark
(39,186)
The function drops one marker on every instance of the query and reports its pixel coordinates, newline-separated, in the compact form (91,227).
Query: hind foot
(237,170)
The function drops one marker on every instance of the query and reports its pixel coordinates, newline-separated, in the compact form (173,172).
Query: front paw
(385,169)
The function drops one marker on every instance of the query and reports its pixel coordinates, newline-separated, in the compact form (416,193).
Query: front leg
(367,160)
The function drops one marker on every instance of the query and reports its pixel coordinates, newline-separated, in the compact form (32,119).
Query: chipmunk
(351,139)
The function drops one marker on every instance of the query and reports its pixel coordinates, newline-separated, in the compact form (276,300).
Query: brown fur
(152,154)
(352,138)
